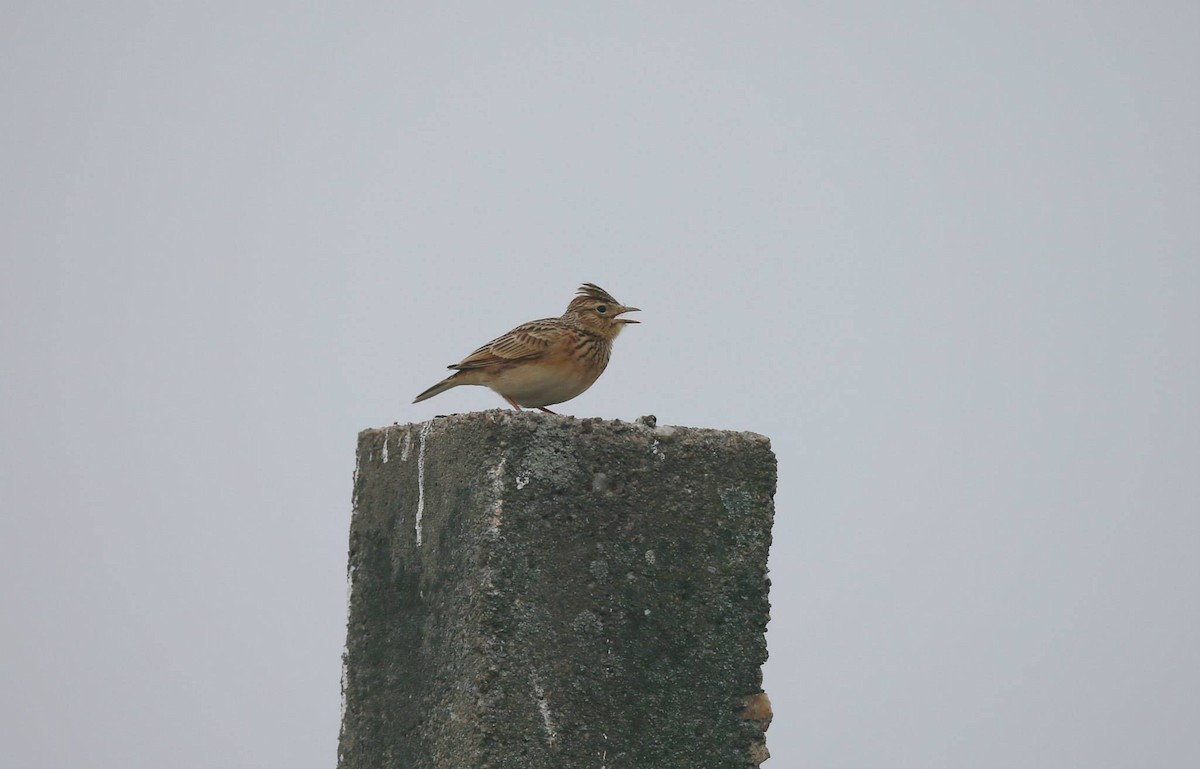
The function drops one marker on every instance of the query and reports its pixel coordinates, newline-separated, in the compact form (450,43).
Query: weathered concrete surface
(532,591)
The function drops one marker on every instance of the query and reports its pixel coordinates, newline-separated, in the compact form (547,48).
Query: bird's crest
(592,291)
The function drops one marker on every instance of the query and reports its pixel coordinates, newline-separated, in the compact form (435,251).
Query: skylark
(547,361)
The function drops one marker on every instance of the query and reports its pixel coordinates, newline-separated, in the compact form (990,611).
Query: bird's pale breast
(554,378)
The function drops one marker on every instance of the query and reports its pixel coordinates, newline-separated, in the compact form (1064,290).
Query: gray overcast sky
(947,256)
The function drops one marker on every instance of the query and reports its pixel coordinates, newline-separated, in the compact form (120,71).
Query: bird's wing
(525,342)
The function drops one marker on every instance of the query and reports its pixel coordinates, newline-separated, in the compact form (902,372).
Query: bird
(548,361)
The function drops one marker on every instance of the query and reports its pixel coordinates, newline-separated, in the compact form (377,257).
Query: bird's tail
(440,387)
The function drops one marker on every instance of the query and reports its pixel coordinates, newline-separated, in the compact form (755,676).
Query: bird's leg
(548,411)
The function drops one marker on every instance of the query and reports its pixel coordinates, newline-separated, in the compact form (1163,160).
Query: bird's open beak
(625,310)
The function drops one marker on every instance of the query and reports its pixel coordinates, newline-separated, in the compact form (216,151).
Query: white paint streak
(425,428)
(385,445)
(656,451)
(498,492)
(539,696)
(522,480)
(350,572)
(349,588)
(405,445)
(354,482)
(342,717)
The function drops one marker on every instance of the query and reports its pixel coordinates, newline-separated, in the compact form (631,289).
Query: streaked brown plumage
(546,361)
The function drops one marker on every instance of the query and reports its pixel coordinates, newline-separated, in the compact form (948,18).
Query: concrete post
(531,591)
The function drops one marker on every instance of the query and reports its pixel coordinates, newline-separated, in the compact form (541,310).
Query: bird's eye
(601,308)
